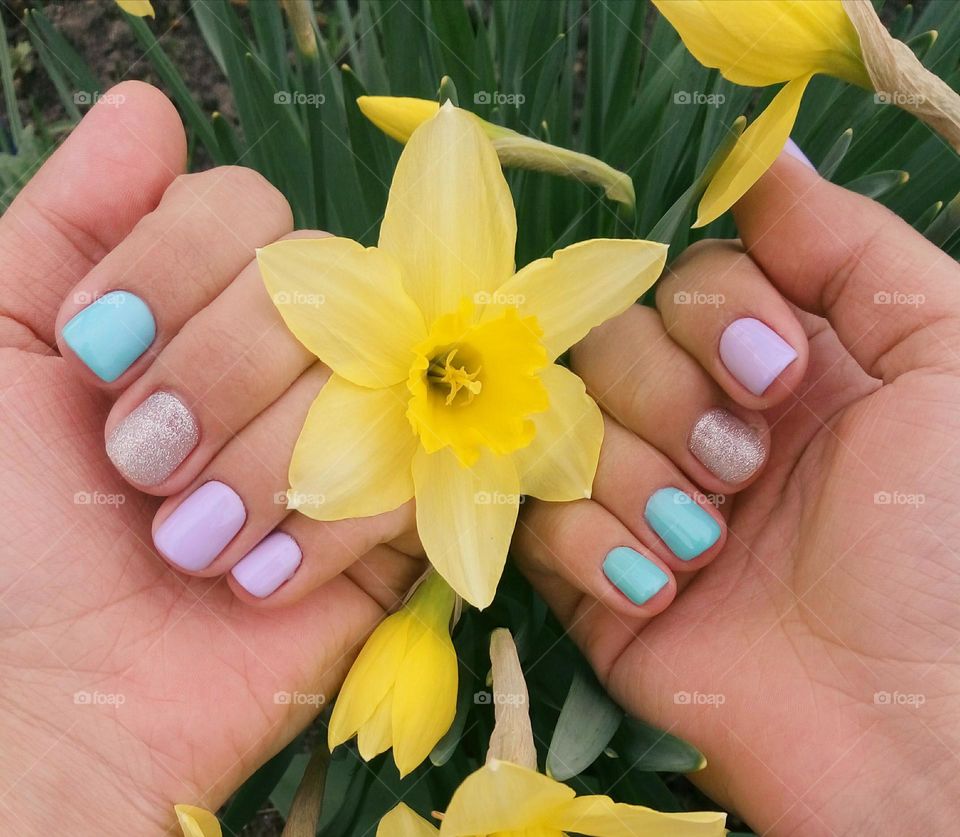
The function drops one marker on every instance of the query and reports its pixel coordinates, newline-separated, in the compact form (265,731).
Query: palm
(164,685)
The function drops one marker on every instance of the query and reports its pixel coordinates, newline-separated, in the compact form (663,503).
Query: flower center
(441,372)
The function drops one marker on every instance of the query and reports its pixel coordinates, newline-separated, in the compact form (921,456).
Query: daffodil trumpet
(444,385)
(197,822)
(399,116)
(758,43)
(139,8)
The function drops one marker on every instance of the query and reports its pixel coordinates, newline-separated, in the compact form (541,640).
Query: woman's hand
(816,661)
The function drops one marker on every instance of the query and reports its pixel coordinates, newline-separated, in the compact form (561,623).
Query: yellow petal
(402,822)
(424,697)
(761,42)
(397,116)
(354,453)
(197,822)
(581,286)
(561,461)
(502,797)
(465,518)
(140,8)
(370,679)
(449,221)
(754,152)
(346,304)
(600,816)
(376,735)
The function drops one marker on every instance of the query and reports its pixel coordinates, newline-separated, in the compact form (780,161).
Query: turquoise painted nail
(638,578)
(111,333)
(682,524)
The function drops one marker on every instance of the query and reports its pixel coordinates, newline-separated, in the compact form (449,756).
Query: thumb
(110,172)
(892,297)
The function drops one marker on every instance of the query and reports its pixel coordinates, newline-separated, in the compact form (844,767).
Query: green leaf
(943,227)
(643,747)
(257,789)
(835,155)
(878,184)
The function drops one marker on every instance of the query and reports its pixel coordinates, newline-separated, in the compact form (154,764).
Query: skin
(815,598)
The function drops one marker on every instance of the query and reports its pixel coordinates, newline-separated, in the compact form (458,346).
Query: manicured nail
(794,151)
(638,578)
(201,526)
(149,444)
(111,333)
(270,563)
(754,353)
(682,523)
(728,447)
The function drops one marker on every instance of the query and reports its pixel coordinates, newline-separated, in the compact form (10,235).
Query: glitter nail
(730,449)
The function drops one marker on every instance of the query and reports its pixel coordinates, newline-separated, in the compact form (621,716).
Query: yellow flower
(399,117)
(140,8)
(197,822)
(759,43)
(402,690)
(504,800)
(444,386)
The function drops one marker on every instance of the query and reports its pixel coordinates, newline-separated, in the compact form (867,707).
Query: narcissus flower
(764,42)
(444,386)
(140,8)
(505,800)
(402,690)
(197,822)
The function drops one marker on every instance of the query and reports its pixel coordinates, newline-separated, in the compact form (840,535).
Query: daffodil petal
(561,461)
(197,822)
(140,8)
(369,680)
(501,796)
(402,822)
(449,222)
(397,116)
(754,152)
(424,697)
(600,816)
(346,304)
(465,518)
(354,453)
(376,735)
(581,286)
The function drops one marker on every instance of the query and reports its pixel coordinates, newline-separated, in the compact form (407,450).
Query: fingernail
(794,151)
(637,577)
(728,447)
(268,565)
(682,523)
(150,443)
(754,353)
(111,333)
(201,526)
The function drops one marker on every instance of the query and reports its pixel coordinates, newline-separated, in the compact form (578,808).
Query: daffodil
(402,690)
(197,822)
(505,800)
(765,42)
(444,386)
(400,116)
(140,8)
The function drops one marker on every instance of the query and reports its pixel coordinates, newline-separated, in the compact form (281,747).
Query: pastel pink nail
(201,526)
(795,151)
(268,565)
(754,353)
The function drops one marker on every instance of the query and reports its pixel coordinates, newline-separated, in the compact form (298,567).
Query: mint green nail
(682,524)
(638,578)
(111,333)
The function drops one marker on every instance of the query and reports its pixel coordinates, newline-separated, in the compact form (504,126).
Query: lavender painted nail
(201,526)
(794,151)
(754,353)
(268,565)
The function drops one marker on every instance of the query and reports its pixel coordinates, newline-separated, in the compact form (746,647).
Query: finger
(110,172)
(213,377)
(892,297)
(654,388)
(179,258)
(717,304)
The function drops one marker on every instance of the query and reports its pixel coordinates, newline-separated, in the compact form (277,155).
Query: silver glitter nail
(149,444)
(729,448)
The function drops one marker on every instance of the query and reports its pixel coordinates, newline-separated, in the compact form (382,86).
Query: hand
(815,661)
(153,686)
